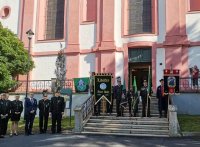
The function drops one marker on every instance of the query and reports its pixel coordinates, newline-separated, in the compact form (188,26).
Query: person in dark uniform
(133,102)
(162,99)
(44,107)
(57,110)
(4,113)
(118,93)
(30,106)
(16,110)
(145,95)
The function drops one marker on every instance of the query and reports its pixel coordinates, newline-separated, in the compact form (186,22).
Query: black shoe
(15,134)
(1,136)
(31,133)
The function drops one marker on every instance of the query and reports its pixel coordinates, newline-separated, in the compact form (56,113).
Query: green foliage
(13,59)
(189,123)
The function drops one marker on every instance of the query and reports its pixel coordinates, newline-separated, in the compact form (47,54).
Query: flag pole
(148,91)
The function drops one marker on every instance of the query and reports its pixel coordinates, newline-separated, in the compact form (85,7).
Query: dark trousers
(144,108)
(118,101)
(56,121)
(97,108)
(163,105)
(3,126)
(29,123)
(109,106)
(43,122)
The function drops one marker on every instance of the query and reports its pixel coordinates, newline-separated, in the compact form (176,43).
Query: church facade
(122,37)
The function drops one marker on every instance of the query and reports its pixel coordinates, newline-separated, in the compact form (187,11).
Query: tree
(14,59)
(60,69)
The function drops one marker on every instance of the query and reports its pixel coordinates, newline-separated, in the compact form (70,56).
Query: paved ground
(71,140)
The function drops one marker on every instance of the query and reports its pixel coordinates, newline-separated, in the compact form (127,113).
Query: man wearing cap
(118,93)
(30,106)
(57,108)
(162,99)
(44,107)
(4,114)
(145,99)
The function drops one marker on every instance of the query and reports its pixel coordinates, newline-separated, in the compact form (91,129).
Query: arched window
(51,19)
(139,16)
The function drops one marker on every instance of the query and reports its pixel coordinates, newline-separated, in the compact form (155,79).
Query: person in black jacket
(145,95)
(162,99)
(4,114)
(57,110)
(16,110)
(118,94)
(44,107)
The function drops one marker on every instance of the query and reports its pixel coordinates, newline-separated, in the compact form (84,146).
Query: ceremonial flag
(81,84)
(149,83)
(134,85)
(124,85)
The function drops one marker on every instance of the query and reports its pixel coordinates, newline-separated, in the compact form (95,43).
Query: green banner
(103,87)
(81,84)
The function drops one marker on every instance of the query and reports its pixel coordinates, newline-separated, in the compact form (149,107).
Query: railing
(40,85)
(186,85)
(83,113)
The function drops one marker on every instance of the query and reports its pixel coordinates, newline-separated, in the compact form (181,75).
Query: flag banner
(171,81)
(81,84)
(149,81)
(103,87)
(134,85)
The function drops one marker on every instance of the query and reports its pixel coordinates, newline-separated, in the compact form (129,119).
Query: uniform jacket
(44,106)
(29,106)
(118,91)
(16,106)
(57,105)
(5,106)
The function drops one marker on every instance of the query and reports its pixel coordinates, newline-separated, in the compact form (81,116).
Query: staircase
(129,126)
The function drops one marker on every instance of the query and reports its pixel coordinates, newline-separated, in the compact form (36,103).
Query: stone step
(122,134)
(127,114)
(138,122)
(129,118)
(128,126)
(126,131)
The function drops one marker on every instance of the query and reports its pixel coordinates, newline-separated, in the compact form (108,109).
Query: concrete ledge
(188,134)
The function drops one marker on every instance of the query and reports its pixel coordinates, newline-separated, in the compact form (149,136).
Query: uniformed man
(118,94)
(16,110)
(4,113)
(145,95)
(30,106)
(162,99)
(44,107)
(57,111)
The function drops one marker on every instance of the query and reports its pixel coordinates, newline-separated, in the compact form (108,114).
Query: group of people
(12,110)
(132,99)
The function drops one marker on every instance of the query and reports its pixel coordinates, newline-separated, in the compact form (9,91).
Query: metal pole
(27,77)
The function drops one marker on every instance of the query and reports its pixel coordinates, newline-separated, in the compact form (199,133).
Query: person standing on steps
(118,94)
(162,99)
(44,107)
(145,99)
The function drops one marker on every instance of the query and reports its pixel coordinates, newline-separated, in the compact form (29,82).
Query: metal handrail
(87,108)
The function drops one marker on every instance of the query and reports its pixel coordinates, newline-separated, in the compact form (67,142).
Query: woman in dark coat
(16,110)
